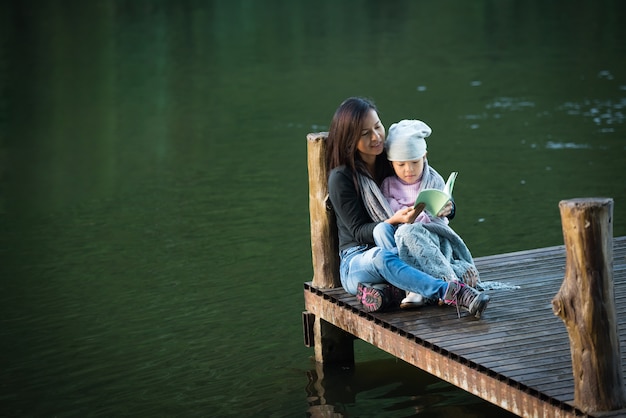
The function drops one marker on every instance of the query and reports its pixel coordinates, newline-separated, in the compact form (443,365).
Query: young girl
(406,150)
(429,244)
(357,164)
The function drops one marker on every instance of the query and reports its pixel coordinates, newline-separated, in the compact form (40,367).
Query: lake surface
(154,226)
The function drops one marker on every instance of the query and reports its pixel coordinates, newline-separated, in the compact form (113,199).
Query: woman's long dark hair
(344,135)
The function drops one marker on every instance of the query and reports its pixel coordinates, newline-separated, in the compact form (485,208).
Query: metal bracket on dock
(308,320)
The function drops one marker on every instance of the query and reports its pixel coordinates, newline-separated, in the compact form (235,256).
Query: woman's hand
(446,210)
(404,216)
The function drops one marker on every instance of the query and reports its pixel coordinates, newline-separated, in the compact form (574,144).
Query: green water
(154,230)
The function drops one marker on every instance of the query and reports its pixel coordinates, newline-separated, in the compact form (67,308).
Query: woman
(358,164)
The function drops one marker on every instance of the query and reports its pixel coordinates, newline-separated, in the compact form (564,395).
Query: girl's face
(372,138)
(409,171)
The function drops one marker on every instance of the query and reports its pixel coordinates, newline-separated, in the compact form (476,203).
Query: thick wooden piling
(332,344)
(324,245)
(586,304)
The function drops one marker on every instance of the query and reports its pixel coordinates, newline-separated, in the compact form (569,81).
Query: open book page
(450,183)
(434,200)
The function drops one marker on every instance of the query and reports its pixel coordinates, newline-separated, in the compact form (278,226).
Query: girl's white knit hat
(406,140)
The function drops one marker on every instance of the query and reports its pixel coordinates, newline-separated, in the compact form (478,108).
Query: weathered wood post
(324,246)
(586,304)
(332,344)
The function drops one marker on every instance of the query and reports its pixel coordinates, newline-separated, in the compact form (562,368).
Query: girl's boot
(466,297)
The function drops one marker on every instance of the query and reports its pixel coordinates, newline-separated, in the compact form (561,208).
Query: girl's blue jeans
(381,264)
(384,235)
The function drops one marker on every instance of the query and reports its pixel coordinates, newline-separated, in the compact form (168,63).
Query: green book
(433,200)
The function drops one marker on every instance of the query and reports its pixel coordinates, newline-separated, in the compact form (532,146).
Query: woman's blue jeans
(381,264)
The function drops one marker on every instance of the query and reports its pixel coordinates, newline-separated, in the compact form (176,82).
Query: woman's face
(372,139)
(409,171)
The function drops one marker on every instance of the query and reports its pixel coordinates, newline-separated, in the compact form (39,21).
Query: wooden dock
(517,356)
